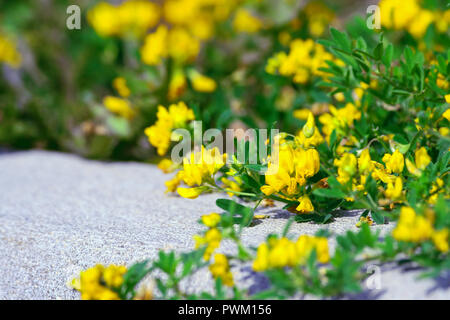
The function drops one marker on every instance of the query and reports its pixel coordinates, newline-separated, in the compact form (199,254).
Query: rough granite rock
(60,214)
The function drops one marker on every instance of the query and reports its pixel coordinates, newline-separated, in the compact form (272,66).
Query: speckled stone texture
(60,214)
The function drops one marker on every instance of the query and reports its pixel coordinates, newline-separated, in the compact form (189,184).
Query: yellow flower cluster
(409,15)
(221,269)
(190,23)
(357,170)
(279,253)
(319,17)
(199,168)
(132,17)
(339,119)
(303,61)
(100,282)
(176,43)
(287,175)
(198,17)
(119,106)
(9,53)
(159,134)
(415,228)
(245,22)
(211,239)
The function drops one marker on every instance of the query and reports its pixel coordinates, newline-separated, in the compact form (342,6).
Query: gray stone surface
(60,214)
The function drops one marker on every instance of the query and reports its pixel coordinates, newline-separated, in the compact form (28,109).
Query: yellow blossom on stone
(166,165)
(191,193)
(173,183)
(100,283)
(201,166)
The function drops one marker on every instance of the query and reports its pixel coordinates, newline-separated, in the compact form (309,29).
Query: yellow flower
(100,283)
(365,164)
(446,114)
(395,162)
(398,14)
(245,22)
(177,84)
(412,227)
(9,53)
(166,166)
(202,166)
(202,83)
(159,134)
(191,193)
(104,19)
(119,106)
(313,141)
(447,99)
(221,269)
(231,185)
(120,84)
(394,191)
(293,168)
(261,262)
(182,46)
(173,183)
(211,240)
(422,158)
(309,127)
(347,166)
(339,119)
(304,60)
(421,23)
(137,16)
(279,253)
(211,220)
(362,220)
(440,240)
(319,17)
(305,205)
(155,46)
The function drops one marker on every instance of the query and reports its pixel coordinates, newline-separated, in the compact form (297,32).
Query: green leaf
(388,55)
(329,193)
(341,39)
(235,208)
(377,217)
